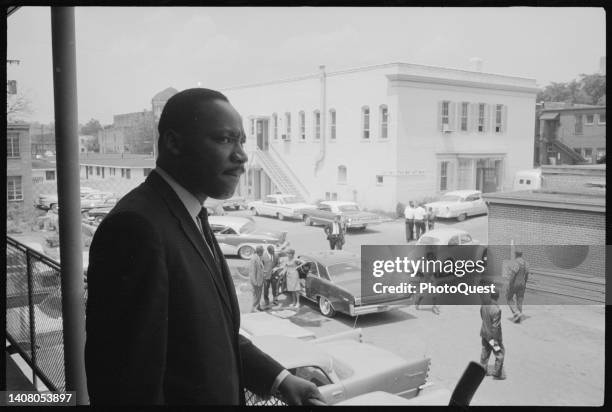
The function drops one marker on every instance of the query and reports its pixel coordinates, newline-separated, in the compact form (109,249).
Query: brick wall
(541,232)
(568,179)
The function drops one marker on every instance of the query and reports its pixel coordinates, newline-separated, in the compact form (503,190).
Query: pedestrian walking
(419,220)
(428,276)
(409,216)
(491,333)
(517,283)
(431,218)
(335,232)
(270,262)
(257,277)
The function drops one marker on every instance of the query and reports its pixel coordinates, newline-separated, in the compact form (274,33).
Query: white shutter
(440,115)
(504,118)
(452,115)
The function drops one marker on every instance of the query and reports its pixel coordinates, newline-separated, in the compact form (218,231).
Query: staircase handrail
(293,176)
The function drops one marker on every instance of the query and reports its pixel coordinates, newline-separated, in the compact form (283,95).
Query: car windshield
(429,240)
(289,200)
(341,271)
(450,198)
(248,227)
(349,208)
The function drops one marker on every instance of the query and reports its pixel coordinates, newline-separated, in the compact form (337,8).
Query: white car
(343,366)
(239,235)
(447,237)
(459,204)
(280,206)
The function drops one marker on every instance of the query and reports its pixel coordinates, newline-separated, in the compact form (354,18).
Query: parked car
(327,211)
(447,236)
(342,366)
(459,204)
(333,281)
(280,206)
(97,214)
(97,199)
(264,324)
(239,235)
(46,201)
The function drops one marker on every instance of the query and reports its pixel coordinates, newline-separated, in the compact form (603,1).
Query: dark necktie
(208,236)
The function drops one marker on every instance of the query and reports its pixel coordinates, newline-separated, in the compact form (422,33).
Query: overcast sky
(125,55)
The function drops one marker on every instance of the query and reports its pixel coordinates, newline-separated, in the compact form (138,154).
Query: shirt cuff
(279,379)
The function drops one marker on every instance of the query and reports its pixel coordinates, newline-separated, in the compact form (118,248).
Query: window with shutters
(444,175)
(12,145)
(445,113)
(482,117)
(384,121)
(302,117)
(317,124)
(499,118)
(275,126)
(365,121)
(332,123)
(14,191)
(589,119)
(464,116)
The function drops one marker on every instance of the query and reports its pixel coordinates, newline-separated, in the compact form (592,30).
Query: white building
(385,134)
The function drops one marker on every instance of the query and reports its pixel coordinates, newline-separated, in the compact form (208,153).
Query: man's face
(212,158)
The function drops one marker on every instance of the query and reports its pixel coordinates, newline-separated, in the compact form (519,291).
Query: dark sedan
(333,281)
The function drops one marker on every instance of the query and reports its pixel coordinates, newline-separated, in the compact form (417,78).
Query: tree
(91,128)
(588,89)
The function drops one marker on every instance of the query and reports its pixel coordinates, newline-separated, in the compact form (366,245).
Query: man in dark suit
(162,314)
(491,332)
(335,233)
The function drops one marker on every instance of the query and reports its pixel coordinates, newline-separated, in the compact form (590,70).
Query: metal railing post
(32,315)
(68,182)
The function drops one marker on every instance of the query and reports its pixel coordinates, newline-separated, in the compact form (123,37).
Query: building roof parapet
(576,170)
(571,109)
(420,71)
(552,200)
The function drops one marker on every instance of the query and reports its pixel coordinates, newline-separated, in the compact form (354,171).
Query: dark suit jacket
(491,322)
(329,228)
(162,318)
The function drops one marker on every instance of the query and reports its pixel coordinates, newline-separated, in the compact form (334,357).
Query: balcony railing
(34,324)
(34,313)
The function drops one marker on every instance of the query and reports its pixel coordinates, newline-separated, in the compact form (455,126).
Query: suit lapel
(192,233)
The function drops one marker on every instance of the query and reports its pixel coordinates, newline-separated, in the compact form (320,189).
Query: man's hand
(298,391)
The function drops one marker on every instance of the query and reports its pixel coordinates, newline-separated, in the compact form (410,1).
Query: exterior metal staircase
(559,146)
(281,174)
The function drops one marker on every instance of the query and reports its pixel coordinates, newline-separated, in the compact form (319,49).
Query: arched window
(341,174)
(275,125)
(317,124)
(384,121)
(365,122)
(302,125)
(332,123)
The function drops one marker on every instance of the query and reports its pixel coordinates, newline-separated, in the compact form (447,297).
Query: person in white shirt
(419,220)
(409,215)
(335,233)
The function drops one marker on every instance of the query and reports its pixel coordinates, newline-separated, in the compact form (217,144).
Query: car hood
(358,214)
(300,206)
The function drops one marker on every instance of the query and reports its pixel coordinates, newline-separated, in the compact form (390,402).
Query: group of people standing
(418,220)
(267,272)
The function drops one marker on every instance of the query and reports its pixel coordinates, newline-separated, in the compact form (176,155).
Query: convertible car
(343,366)
(333,281)
(239,236)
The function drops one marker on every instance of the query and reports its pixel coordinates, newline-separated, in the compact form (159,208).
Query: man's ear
(173,142)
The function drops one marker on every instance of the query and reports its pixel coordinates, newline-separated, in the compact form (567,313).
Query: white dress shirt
(193,206)
(409,212)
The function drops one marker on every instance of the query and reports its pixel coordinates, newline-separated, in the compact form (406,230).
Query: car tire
(245,252)
(280,216)
(255,212)
(461,217)
(236,207)
(325,307)
(307,221)
(363,228)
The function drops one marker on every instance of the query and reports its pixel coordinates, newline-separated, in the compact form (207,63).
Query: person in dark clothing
(335,233)
(519,272)
(491,332)
(409,217)
(163,318)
